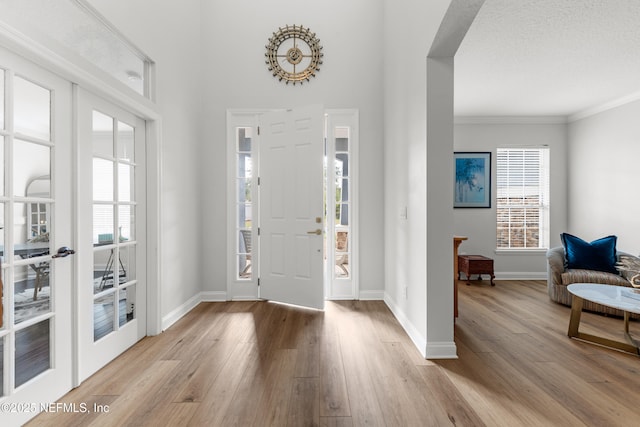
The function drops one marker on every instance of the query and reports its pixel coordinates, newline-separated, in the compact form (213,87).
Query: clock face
(294,54)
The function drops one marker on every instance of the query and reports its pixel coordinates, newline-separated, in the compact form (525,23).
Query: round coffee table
(619,297)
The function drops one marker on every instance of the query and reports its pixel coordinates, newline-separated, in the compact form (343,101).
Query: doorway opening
(340,203)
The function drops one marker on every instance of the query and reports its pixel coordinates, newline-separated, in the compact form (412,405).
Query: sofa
(559,277)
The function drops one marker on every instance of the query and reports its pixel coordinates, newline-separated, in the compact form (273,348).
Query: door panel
(111,231)
(35,219)
(291,197)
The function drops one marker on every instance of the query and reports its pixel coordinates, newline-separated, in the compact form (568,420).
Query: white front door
(35,220)
(111,232)
(291,207)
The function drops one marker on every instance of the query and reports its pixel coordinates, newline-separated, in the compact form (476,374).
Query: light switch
(403,213)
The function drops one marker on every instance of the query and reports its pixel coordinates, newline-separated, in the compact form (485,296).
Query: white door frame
(247,289)
(84,74)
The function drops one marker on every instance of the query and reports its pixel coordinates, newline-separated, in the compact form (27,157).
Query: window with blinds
(522,198)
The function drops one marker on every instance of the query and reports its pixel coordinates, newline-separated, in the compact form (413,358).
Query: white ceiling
(548,57)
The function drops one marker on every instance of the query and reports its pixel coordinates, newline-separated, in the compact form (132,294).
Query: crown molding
(618,102)
(509,120)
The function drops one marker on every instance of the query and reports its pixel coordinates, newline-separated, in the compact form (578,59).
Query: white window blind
(522,200)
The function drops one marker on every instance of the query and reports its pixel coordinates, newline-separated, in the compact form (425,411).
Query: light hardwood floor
(258,363)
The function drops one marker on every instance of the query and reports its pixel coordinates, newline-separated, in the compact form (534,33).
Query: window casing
(522,198)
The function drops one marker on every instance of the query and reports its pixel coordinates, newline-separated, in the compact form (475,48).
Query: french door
(291,207)
(36,350)
(112,233)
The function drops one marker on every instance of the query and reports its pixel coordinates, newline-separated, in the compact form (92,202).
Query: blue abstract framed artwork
(472,186)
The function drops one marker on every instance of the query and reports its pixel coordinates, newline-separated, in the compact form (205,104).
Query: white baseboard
(428,350)
(213,296)
(418,339)
(520,275)
(372,295)
(244,298)
(177,313)
(441,350)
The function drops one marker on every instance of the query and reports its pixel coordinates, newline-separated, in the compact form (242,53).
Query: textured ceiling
(69,24)
(548,57)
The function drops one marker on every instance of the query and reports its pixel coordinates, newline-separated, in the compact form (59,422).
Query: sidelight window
(244,202)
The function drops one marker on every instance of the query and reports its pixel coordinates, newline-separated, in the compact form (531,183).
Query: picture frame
(472,179)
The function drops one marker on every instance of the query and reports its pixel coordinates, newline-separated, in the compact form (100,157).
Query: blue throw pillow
(598,255)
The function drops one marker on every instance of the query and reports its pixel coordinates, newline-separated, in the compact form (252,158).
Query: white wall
(210,58)
(488,134)
(235,76)
(603,163)
(170,34)
(405,118)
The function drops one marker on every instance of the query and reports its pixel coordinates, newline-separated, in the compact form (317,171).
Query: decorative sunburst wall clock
(294,54)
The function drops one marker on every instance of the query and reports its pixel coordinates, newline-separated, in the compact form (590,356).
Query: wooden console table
(475,264)
(456,242)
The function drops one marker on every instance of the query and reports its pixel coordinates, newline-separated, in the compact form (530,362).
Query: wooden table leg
(574,323)
(576,312)
(457,240)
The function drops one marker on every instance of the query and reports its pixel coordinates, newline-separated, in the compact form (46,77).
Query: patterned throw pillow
(629,267)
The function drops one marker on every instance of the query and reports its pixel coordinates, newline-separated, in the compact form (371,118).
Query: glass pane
(28,244)
(342,265)
(342,190)
(4,301)
(103,224)
(39,187)
(37,222)
(33,351)
(245,166)
(244,257)
(342,164)
(103,265)
(102,135)
(1,110)
(1,161)
(127,305)
(244,216)
(32,109)
(103,321)
(342,214)
(244,139)
(2,228)
(342,144)
(32,290)
(126,187)
(102,180)
(244,190)
(126,142)
(126,223)
(2,366)
(38,159)
(342,241)
(127,265)
(244,266)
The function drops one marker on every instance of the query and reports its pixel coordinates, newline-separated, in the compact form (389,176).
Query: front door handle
(63,252)
(316,232)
